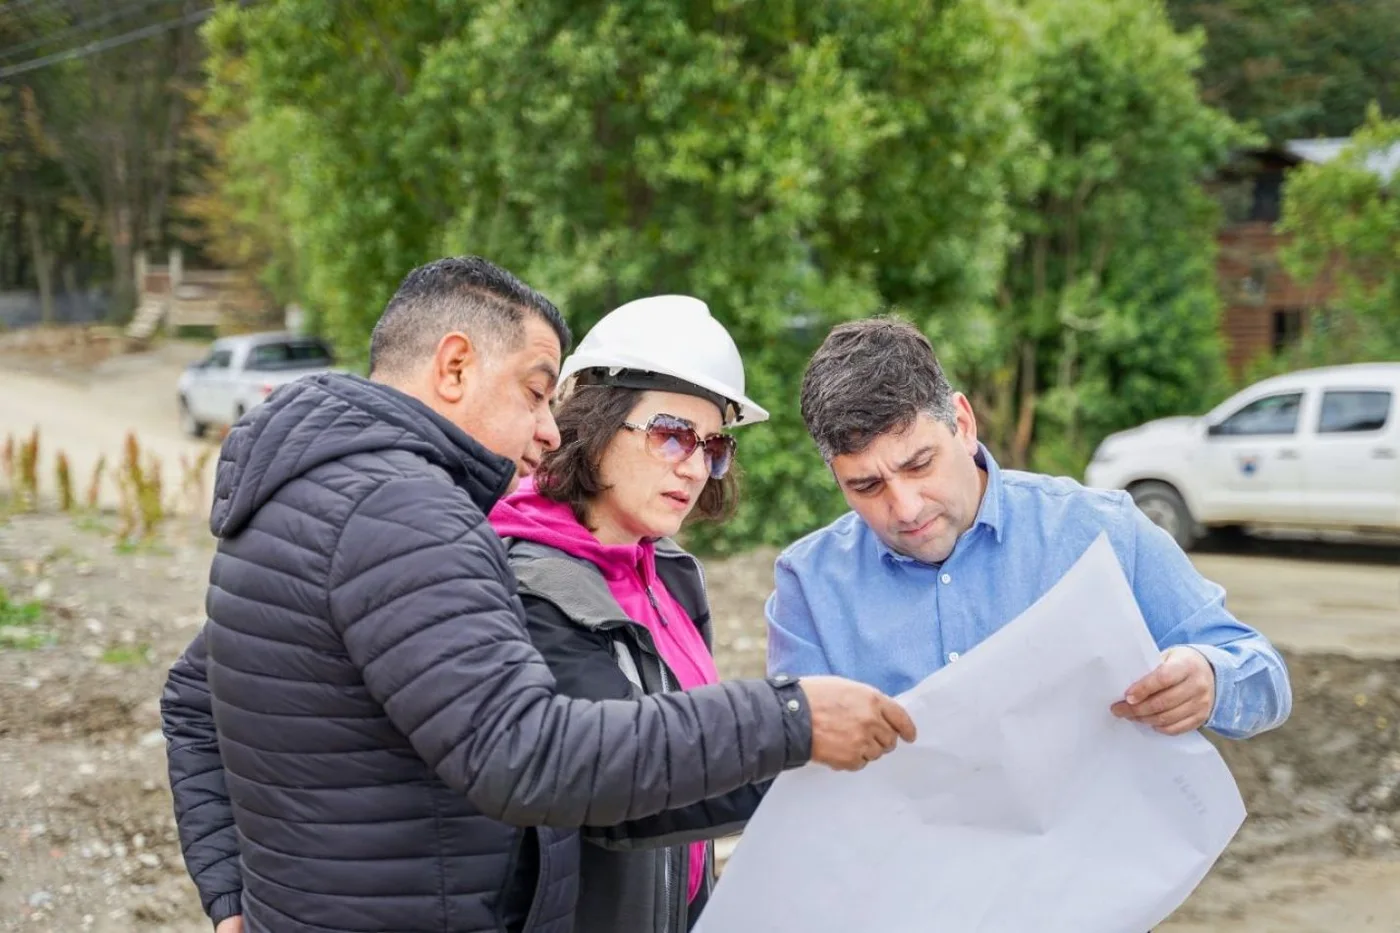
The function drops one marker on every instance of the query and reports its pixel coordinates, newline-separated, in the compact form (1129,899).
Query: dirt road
(87,841)
(87,414)
(1312,604)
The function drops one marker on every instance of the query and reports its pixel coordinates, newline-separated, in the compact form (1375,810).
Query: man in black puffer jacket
(363,724)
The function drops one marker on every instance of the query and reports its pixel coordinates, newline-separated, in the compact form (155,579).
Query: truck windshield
(292,354)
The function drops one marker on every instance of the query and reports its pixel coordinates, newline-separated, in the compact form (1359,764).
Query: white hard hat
(672,337)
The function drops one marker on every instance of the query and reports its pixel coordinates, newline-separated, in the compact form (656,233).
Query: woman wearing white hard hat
(616,607)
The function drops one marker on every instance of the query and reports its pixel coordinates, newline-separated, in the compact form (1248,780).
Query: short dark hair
(868,378)
(588,420)
(464,293)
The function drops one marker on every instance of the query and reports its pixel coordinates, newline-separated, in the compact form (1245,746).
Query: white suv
(240,372)
(1315,449)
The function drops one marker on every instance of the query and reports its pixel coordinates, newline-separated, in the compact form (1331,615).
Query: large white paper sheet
(1025,806)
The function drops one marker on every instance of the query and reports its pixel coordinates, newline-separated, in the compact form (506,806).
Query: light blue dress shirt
(845,604)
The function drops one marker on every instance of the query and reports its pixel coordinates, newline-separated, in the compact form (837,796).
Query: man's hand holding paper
(1177,697)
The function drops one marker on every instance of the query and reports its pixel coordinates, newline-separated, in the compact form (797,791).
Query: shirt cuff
(797,718)
(1223,667)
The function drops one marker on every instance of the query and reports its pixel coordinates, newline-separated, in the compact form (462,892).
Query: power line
(92,48)
(81,26)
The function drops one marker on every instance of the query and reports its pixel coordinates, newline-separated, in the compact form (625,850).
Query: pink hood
(630,572)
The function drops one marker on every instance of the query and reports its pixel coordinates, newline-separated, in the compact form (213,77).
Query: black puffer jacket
(383,723)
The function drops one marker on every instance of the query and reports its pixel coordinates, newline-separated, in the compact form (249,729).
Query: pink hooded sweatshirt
(630,572)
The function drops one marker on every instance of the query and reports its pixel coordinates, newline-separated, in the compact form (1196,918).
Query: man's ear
(453,362)
(967,422)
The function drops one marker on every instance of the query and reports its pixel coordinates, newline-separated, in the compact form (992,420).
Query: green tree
(1298,68)
(793,163)
(109,119)
(43,235)
(26,190)
(1343,221)
(1107,314)
(236,197)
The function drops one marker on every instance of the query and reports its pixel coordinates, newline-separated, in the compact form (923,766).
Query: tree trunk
(1069,363)
(123,256)
(121,231)
(162,176)
(12,262)
(70,281)
(1029,396)
(43,263)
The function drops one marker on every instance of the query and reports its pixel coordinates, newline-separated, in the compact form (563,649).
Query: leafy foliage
(785,161)
(1343,217)
(1021,179)
(1107,314)
(99,158)
(1298,68)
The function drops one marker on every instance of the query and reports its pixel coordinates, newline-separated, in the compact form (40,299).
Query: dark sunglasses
(675,439)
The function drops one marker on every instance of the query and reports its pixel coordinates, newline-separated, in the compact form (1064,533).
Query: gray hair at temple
(465,294)
(868,378)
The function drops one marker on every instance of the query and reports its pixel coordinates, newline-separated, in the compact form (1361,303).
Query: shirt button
(953,656)
(793,706)
(947,578)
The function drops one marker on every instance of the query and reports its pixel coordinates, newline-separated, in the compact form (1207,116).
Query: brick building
(1264,308)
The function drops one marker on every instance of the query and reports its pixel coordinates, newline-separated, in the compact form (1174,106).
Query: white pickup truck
(240,372)
(1317,449)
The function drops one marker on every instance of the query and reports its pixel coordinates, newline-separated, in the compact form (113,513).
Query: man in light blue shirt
(942,548)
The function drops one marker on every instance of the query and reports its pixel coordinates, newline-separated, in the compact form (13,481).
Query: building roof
(1384,162)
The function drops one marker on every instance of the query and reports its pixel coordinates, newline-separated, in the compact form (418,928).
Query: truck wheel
(188,423)
(1166,509)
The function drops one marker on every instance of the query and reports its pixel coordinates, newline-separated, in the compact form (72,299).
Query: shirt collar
(989,512)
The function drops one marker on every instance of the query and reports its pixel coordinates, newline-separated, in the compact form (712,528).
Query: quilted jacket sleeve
(203,814)
(583,665)
(425,602)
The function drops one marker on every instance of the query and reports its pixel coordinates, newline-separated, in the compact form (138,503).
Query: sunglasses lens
(672,441)
(719,454)
(675,440)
